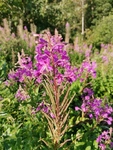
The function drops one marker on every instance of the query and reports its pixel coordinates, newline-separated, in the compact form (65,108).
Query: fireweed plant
(52,70)
(93,108)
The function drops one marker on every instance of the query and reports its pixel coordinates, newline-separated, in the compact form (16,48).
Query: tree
(103,32)
(96,10)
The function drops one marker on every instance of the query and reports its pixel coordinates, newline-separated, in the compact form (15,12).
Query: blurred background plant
(11,44)
(55,13)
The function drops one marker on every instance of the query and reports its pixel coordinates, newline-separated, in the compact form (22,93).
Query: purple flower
(104,139)
(7,83)
(87,97)
(77,108)
(52,60)
(46,109)
(111,145)
(21,95)
(90,67)
(91,116)
(40,106)
(102,146)
(24,70)
(88,91)
(94,108)
(59,78)
(52,115)
(84,107)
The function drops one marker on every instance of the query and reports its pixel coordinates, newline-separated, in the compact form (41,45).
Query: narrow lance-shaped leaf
(64,130)
(51,124)
(64,119)
(50,96)
(62,88)
(68,102)
(63,102)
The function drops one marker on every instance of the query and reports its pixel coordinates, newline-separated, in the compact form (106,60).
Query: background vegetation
(56,13)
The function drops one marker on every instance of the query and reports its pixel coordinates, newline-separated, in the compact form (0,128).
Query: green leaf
(88,148)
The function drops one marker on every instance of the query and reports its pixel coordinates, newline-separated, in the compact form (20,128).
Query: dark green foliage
(55,13)
(96,10)
(44,14)
(103,32)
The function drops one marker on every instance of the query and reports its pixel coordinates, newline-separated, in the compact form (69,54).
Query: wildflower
(21,95)
(104,139)
(7,83)
(94,108)
(46,109)
(90,67)
(52,60)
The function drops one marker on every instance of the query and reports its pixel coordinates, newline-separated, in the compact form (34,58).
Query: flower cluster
(24,69)
(52,59)
(84,49)
(89,67)
(44,108)
(94,108)
(105,139)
